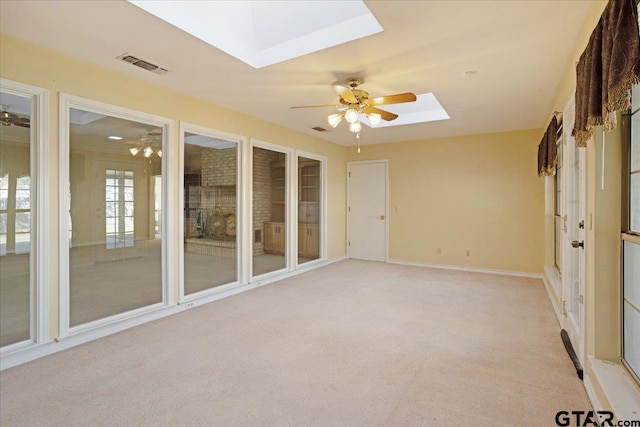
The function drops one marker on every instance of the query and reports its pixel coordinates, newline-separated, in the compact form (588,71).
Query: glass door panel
(309,208)
(210,212)
(16,219)
(269,210)
(115,170)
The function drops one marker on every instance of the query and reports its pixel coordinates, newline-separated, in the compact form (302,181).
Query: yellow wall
(32,65)
(604,272)
(479,193)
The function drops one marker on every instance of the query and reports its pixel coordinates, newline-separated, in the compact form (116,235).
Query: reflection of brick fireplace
(211,247)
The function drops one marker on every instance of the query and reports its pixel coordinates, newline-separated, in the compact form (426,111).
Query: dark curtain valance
(547,152)
(608,68)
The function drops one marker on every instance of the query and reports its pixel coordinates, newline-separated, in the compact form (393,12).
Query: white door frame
(386,205)
(574,214)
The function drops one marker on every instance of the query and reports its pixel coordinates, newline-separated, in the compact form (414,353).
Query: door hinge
(349,243)
(349,208)
(349,174)
(581,299)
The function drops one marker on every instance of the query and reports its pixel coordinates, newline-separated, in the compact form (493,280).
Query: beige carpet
(353,344)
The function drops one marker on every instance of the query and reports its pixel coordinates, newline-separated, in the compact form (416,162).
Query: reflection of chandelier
(147,144)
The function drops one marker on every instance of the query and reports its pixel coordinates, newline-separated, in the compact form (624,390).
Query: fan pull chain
(358,138)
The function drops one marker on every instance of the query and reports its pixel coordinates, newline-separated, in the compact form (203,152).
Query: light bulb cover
(351,115)
(334,119)
(134,150)
(374,118)
(148,151)
(355,127)
(159,153)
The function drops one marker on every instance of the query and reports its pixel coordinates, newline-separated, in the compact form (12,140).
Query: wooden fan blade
(21,121)
(346,94)
(393,99)
(386,115)
(317,106)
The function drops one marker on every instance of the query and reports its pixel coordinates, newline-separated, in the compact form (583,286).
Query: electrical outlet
(439,251)
(468,252)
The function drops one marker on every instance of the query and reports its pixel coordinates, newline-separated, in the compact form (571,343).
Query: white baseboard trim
(470,269)
(553,299)
(28,352)
(267,278)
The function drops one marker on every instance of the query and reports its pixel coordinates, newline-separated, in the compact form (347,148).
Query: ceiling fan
(149,143)
(9,119)
(354,101)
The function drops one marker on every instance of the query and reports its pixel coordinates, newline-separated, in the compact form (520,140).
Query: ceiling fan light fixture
(134,150)
(355,127)
(159,153)
(148,151)
(374,118)
(334,119)
(351,115)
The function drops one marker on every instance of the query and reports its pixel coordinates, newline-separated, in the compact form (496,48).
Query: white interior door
(574,277)
(367,211)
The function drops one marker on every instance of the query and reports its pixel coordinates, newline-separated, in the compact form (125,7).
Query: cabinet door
(280,234)
(312,241)
(302,240)
(274,237)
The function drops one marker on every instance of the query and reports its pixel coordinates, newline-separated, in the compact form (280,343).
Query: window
(157,207)
(631,242)
(119,209)
(4,203)
(23,215)
(558,221)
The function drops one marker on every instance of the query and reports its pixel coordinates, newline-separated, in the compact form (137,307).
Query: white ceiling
(520,50)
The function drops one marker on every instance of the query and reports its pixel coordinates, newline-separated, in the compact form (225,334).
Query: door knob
(577,244)
(381,216)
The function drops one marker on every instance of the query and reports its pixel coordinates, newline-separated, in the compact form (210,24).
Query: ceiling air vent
(142,64)
(319,129)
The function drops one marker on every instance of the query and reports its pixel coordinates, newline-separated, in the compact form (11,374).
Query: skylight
(262,33)
(425,109)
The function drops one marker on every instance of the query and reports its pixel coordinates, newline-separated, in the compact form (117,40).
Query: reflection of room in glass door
(308,192)
(278,192)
